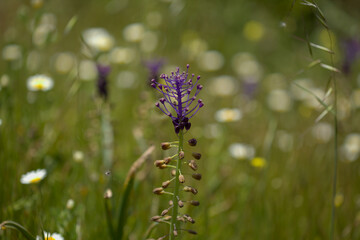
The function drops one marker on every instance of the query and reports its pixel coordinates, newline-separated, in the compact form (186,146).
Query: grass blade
(128,186)
(18,227)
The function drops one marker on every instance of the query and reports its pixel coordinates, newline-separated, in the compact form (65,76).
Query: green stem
(174,215)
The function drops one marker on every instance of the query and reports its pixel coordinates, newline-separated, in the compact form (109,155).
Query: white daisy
(228,115)
(241,151)
(33,176)
(51,236)
(98,39)
(40,82)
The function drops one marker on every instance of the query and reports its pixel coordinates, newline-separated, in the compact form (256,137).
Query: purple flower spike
(177,95)
(102,82)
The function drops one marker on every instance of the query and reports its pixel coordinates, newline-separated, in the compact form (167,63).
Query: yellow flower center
(229,116)
(49,238)
(258,162)
(39,86)
(35,180)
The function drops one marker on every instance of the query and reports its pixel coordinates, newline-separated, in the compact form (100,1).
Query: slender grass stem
(176,190)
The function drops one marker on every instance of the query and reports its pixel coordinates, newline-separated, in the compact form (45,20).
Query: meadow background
(268,161)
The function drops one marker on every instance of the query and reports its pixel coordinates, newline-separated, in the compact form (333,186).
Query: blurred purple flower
(154,67)
(250,88)
(352,50)
(102,82)
(176,94)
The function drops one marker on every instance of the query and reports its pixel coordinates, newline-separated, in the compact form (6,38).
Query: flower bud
(194,191)
(188,218)
(181,178)
(196,176)
(165,184)
(158,191)
(180,219)
(192,142)
(165,146)
(173,172)
(175,233)
(194,203)
(181,155)
(196,155)
(171,203)
(180,203)
(193,165)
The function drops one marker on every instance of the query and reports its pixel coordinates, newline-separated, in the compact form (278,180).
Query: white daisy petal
(33,176)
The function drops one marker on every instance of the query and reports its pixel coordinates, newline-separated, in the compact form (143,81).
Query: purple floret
(102,82)
(177,95)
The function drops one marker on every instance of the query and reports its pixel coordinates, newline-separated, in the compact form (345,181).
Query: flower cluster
(176,91)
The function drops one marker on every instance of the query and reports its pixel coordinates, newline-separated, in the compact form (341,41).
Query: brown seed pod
(180,203)
(155,218)
(196,155)
(191,231)
(181,155)
(196,176)
(173,172)
(167,160)
(181,178)
(192,142)
(158,191)
(163,213)
(193,165)
(158,163)
(165,146)
(165,184)
(167,218)
(194,203)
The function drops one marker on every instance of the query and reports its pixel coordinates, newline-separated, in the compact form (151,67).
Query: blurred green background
(267,145)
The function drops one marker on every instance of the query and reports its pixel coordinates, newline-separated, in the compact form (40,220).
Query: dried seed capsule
(192,142)
(196,155)
(155,218)
(167,160)
(158,191)
(173,172)
(191,232)
(181,155)
(181,178)
(158,163)
(165,184)
(180,203)
(193,165)
(165,146)
(163,213)
(196,176)
(194,203)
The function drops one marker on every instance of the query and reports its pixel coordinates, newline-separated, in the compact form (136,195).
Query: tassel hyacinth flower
(177,95)
(179,102)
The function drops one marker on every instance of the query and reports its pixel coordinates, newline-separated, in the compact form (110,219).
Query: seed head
(165,184)
(163,213)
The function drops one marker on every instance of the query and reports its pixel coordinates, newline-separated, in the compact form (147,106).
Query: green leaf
(14,225)
(70,25)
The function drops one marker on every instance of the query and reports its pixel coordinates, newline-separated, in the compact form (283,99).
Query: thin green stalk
(108,136)
(176,190)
